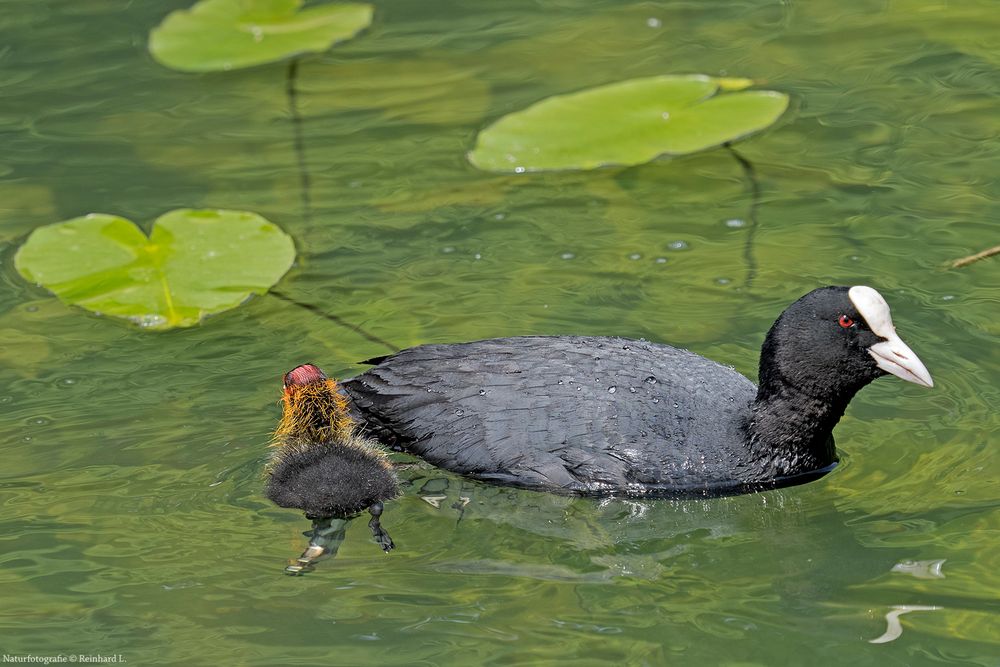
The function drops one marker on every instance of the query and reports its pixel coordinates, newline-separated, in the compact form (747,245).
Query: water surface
(131,513)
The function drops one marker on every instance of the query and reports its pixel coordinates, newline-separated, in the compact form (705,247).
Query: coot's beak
(894,356)
(891,355)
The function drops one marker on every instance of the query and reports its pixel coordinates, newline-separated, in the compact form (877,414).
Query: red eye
(845,322)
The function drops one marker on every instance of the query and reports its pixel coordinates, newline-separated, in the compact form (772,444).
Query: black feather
(330,480)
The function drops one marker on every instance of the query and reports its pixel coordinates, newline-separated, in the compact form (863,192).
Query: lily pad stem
(305,182)
(751,176)
(298,140)
(339,321)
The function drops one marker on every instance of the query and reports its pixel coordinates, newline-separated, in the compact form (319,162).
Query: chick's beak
(304,374)
(894,356)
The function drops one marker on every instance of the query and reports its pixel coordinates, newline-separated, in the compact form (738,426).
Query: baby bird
(321,465)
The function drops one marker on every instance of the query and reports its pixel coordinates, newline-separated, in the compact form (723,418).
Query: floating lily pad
(219,35)
(193,264)
(625,123)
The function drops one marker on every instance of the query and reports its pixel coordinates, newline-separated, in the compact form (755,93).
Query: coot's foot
(326,536)
(381,537)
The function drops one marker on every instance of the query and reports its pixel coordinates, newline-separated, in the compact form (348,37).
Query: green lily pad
(626,123)
(193,264)
(219,35)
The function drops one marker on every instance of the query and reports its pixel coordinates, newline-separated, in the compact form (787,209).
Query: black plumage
(330,480)
(597,415)
(322,465)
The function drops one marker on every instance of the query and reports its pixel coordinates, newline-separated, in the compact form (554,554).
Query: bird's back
(570,413)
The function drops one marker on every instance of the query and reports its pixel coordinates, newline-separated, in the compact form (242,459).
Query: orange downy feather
(314,412)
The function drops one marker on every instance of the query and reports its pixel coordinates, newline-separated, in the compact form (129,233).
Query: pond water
(131,513)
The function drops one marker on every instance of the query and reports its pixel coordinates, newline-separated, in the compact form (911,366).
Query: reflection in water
(894,628)
(326,537)
(921,569)
(678,556)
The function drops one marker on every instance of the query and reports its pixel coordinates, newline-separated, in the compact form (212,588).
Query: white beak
(894,356)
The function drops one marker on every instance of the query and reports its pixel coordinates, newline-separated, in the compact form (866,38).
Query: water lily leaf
(193,264)
(626,123)
(733,84)
(219,35)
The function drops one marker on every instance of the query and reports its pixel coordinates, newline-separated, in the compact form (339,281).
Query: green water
(131,514)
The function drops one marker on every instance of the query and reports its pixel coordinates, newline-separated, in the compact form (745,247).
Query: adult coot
(595,415)
(323,466)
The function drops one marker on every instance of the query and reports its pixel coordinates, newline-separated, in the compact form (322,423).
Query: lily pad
(193,264)
(626,123)
(217,35)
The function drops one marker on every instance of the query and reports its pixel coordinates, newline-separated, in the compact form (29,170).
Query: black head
(831,343)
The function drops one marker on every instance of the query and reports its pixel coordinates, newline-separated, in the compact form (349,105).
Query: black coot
(594,415)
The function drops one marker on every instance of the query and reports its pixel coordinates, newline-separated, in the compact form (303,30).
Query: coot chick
(601,416)
(322,465)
